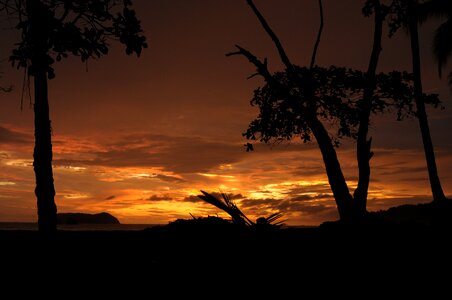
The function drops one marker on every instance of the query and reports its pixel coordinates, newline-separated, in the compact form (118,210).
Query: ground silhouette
(209,254)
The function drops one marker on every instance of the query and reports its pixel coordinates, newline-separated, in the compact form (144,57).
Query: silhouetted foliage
(207,222)
(338,92)
(228,206)
(442,41)
(80,28)
(226,203)
(50,31)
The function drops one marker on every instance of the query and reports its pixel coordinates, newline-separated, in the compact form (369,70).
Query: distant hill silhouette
(82,218)
(428,214)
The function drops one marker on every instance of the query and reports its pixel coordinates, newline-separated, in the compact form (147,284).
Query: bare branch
(262,68)
(282,53)
(253,75)
(319,35)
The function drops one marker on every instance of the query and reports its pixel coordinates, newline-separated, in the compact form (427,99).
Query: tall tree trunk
(334,173)
(363,145)
(336,178)
(45,190)
(435,184)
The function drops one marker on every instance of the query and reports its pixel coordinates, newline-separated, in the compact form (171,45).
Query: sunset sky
(140,137)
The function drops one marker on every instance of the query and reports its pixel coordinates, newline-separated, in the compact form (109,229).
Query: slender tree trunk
(435,184)
(363,145)
(336,178)
(45,191)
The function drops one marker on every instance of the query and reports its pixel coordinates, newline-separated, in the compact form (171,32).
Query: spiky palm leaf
(228,206)
(442,41)
(271,219)
(238,217)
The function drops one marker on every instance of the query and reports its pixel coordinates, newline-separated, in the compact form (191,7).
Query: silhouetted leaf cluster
(81,28)
(442,41)
(227,204)
(289,99)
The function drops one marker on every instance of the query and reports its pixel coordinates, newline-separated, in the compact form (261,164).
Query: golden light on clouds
(19,162)
(259,183)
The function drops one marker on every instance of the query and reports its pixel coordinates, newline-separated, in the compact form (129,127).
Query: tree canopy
(82,28)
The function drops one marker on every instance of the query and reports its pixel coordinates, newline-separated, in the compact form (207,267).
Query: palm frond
(274,217)
(434,8)
(442,44)
(213,200)
(228,206)
(231,204)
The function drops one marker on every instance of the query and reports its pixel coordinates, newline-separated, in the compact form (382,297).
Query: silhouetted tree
(296,101)
(442,41)
(363,144)
(52,30)
(406,13)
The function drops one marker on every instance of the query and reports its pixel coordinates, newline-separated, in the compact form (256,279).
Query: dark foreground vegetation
(210,253)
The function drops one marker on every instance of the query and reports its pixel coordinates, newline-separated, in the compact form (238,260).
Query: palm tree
(412,21)
(442,41)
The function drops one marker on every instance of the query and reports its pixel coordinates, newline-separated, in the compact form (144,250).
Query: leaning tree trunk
(435,184)
(336,178)
(363,145)
(45,191)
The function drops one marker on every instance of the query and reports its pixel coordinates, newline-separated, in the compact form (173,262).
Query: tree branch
(282,53)
(262,68)
(319,35)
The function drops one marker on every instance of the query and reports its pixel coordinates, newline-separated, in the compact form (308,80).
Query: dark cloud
(110,197)
(173,153)
(306,197)
(318,191)
(260,203)
(193,199)
(8,136)
(317,169)
(169,178)
(287,206)
(230,196)
(159,198)
(402,170)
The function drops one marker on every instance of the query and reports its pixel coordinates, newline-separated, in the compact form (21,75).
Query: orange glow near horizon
(153,195)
